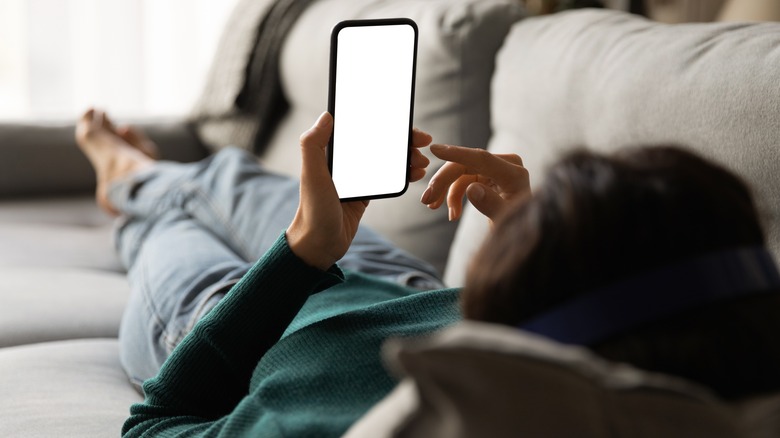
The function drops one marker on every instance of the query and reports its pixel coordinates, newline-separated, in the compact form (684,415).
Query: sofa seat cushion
(45,304)
(43,160)
(64,389)
(56,232)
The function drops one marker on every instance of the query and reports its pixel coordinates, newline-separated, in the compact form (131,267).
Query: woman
(288,346)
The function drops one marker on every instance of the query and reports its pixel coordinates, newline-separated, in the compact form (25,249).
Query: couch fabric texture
(595,78)
(608,80)
(56,234)
(458,40)
(72,388)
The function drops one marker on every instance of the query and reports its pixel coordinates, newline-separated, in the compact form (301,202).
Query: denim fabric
(188,232)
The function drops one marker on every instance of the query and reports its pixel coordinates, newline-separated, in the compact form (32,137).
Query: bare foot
(139,140)
(111,155)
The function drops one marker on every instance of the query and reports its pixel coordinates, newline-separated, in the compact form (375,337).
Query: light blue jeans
(188,232)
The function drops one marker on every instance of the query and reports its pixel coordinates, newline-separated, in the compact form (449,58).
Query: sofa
(488,77)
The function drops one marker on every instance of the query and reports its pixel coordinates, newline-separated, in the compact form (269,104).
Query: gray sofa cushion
(57,232)
(60,276)
(64,389)
(44,159)
(72,211)
(606,80)
(58,246)
(46,303)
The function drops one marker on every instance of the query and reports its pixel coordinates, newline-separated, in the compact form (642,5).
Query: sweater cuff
(281,251)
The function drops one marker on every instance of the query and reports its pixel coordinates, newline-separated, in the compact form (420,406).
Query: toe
(91,123)
(83,126)
(88,114)
(106,122)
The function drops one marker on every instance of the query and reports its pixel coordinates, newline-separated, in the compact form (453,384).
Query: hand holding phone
(372,76)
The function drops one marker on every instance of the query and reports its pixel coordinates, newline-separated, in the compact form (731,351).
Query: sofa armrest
(38,160)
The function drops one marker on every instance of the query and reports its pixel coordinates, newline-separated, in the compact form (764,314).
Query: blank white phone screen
(374,69)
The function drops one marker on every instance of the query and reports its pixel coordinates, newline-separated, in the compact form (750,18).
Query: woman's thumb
(314,143)
(485,200)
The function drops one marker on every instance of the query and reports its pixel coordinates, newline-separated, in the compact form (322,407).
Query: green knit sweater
(290,351)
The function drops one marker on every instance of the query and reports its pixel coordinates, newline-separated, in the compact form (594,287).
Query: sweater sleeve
(202,384)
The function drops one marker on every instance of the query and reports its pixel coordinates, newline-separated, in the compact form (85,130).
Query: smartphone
(371,97)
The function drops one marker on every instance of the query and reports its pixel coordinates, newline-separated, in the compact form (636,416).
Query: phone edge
(332,103)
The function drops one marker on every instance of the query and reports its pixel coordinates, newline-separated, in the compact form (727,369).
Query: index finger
(502,168)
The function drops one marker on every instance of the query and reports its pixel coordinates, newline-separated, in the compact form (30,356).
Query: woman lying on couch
(241,322)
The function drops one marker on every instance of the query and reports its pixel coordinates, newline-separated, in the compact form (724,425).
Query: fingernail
(477,192)
(323,121)
(426,195)
(451,214)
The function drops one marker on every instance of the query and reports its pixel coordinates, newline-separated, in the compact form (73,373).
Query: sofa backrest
(458,41)
(607,80)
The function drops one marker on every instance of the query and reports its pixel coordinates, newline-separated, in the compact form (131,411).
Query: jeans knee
(232,156)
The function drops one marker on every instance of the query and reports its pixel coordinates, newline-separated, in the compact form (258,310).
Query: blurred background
(674,11)
(139,58)
(145,59)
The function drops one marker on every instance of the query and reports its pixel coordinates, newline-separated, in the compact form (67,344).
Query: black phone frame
(332,93)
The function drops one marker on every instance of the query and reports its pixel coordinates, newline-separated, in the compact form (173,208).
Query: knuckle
(512,158)
(483,155)
(480,159)
(306,138)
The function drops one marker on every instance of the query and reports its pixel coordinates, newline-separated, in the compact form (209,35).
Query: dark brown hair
(597,219)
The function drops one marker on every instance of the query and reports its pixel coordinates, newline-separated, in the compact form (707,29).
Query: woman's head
(597,219)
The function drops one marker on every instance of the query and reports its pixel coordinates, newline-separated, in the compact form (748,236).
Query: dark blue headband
(596,316)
